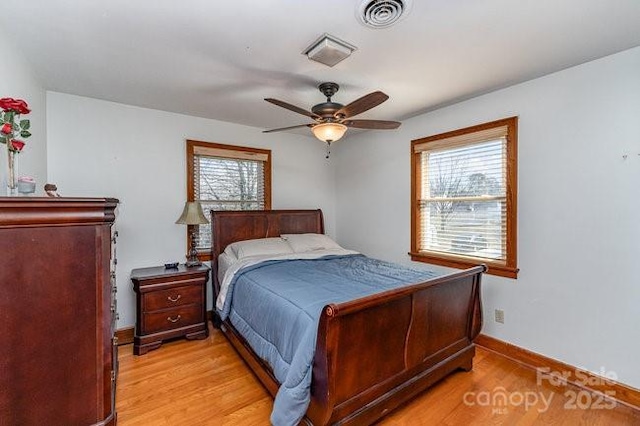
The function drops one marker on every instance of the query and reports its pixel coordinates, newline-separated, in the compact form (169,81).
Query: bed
(373,353)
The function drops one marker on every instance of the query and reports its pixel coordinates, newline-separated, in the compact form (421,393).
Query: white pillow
(301,243)
(229,251)
(259,247)
(225,260)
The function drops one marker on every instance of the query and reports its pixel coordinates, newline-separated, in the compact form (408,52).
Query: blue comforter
(276,306)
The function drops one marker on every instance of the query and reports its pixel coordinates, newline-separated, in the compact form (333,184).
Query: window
(226,177)
(464,197)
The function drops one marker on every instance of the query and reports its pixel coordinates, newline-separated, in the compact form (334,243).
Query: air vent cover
(382,13)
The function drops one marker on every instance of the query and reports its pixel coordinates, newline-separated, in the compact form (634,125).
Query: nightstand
(170,303)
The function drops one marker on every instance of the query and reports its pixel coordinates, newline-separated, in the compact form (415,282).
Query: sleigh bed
(373,353)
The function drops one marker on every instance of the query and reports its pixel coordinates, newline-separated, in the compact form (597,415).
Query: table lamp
(192,215)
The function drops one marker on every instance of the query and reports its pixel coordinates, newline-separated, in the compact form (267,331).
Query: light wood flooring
(204,382)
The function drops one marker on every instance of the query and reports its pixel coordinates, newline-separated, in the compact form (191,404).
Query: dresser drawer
(154,322)
(177,296)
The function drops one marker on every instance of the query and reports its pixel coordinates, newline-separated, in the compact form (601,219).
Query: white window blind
(227,180)
(463,201)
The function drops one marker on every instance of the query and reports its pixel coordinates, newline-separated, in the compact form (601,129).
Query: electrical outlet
(499,316)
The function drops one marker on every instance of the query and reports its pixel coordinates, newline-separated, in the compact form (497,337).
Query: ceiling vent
(382,13)
(329,50)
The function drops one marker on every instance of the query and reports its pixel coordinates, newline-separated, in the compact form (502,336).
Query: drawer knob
(172,299)
(174,320)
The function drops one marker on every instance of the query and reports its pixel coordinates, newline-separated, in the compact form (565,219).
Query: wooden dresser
(58,360)
(170,303)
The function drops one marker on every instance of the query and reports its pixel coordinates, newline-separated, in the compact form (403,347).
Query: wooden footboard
(374,353)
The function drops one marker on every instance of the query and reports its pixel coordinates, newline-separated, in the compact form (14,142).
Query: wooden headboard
(230,226)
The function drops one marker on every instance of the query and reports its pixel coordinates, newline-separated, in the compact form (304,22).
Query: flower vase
(12,186)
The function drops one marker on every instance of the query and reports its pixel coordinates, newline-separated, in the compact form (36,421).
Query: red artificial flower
(6,103)
(17,105)
(21,107)
(6,128)
(17,145)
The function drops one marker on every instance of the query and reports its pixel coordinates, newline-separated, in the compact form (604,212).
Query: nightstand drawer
(172,318)
(172,297)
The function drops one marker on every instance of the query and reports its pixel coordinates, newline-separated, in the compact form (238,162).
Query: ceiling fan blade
(372,124)
(287,128)
(361,105)
(292,108)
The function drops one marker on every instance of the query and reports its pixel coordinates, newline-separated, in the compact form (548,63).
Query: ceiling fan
(332,119)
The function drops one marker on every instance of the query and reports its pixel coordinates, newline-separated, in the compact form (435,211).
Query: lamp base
(192,256)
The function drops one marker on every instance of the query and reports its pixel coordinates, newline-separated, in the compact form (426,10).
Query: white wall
(577,298)
(18,81)
(137,155)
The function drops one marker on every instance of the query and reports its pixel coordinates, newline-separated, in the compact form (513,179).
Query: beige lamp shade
(192,214)
(329,132)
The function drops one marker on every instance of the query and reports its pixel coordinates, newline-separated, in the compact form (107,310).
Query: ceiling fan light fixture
(329,50)
(329,132)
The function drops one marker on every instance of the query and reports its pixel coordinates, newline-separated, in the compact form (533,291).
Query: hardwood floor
(204,382)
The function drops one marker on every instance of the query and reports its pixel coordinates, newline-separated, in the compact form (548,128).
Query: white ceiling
(219,59)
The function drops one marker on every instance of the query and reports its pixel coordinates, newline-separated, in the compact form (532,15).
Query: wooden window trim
(192,147)
(507,268)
